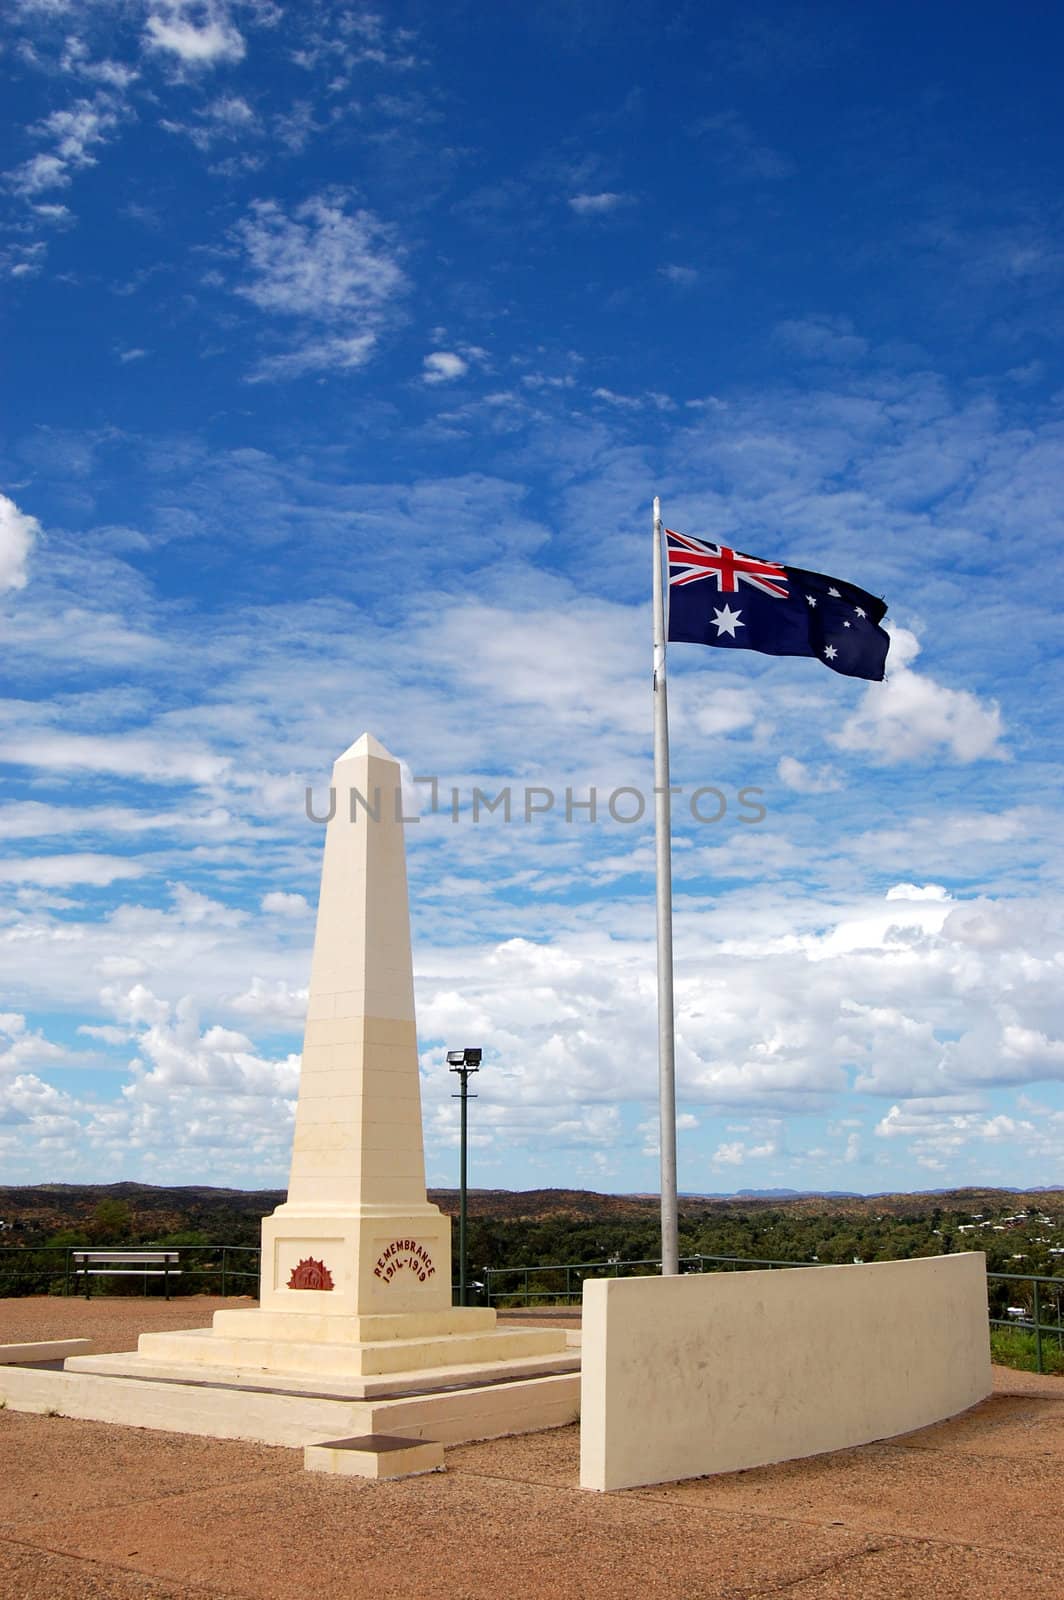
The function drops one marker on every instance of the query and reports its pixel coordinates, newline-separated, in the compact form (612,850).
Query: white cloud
(441,366)
(58,215)
(18,534)
(273,1003)
(67,869)
(652,400)
(74,132)
(227,118)
(336,353)
(823,338)
(279,903)
(325,266)
(153,759)
(77,60)
(910,716)
(40,172)
(597,205)
(207,38)
(736,1153)
(804,779)
(324,262)
(683,277)
(19,1046)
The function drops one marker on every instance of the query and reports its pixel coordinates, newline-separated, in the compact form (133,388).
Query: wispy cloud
(228,118)
(739,153)
(73,133)
(822,338)
(599,205)
(683,277)
(327,267)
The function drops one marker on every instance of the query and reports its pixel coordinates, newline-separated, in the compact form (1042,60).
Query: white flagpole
(670,1246)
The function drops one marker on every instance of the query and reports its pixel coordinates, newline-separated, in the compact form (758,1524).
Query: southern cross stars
(726,621)
(830,652)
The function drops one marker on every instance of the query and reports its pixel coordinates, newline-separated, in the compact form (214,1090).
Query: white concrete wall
(719,1371)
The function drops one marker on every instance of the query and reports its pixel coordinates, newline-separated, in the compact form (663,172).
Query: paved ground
(970,1508)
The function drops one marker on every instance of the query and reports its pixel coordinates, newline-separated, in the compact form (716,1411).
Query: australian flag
(720,596)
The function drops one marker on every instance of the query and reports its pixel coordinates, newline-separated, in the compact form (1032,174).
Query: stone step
(132,1364)
(265,1416)
(209,1348)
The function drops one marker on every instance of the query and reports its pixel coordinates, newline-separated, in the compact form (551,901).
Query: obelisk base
(366,1261)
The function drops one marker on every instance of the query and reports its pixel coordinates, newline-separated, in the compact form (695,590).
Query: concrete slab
(42,1350)
(390,1386)
(375,1455)
(293,1417)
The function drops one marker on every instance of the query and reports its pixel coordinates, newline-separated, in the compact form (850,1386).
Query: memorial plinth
(356,1264)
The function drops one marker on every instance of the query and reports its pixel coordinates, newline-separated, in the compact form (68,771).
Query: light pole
(463,1062)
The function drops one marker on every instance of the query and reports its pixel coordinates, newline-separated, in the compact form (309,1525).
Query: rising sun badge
(310,1274)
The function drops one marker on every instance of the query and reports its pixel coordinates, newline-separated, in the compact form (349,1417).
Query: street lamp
(463,1062)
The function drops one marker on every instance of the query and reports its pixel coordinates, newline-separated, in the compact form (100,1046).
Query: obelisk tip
(366,746)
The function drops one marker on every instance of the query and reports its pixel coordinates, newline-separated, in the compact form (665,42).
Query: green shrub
(1015,1347)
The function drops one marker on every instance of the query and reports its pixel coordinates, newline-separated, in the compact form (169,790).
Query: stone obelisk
(356,1264)
(356,1236)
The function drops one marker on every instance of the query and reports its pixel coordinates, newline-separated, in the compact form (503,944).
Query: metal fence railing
(230,1269)
(561,1283)
(1038,1294)
(222,1269)
(564,1281)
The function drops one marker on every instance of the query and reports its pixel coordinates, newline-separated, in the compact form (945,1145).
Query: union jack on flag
(776,609)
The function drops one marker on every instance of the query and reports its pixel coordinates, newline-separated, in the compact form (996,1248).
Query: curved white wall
(719,1371)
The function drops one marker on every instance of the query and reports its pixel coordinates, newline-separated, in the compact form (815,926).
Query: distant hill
(41,1209)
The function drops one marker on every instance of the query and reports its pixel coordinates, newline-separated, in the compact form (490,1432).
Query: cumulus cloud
(198,34)
(910,716)
(20,1046)
(279,903)
(736,1154)
(18,534)
(441,366)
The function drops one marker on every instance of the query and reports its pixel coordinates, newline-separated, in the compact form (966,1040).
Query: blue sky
(345,350)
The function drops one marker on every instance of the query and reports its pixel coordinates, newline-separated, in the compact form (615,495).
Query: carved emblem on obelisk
(310,1274)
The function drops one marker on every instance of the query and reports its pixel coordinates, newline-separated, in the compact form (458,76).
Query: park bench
(126,1263)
